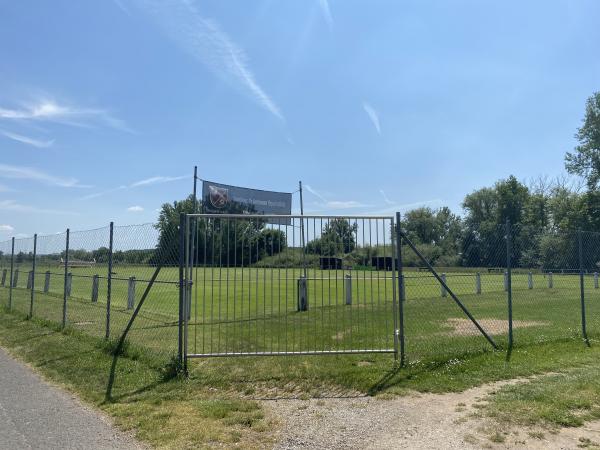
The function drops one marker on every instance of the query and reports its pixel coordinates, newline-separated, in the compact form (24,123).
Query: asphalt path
(37,415)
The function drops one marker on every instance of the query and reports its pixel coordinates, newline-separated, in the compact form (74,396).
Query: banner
(223,198)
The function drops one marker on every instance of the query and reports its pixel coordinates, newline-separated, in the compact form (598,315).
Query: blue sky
(377,106)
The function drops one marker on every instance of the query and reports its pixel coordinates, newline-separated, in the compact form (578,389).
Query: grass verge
(218,405)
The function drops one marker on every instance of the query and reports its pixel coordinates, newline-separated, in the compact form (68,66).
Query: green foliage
(585,159)
(338,237)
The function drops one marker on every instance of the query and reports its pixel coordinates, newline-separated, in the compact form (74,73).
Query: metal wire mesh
(310,285)
(303,285)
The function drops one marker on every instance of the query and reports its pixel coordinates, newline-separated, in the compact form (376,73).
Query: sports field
(255,309)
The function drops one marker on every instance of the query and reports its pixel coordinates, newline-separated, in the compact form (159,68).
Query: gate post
(95,280)
(302,294)
(182,287)
(348,285)
(401,291)
(443,289)
(47,282)
(131,293)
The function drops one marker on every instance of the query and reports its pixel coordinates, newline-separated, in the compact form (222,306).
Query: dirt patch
(464,327)
(417,421)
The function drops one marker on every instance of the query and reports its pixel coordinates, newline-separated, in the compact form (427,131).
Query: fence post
(95,280)
(109,279)
(444,293)
(550,281)
(595,280)
(47,282)
(182,287)
(401,289)
(506,280)
(508,274)
(65,286)
(131,293)
(530,280)
(348,286)
(33,276)
(478,283)
(15,280)
(10,282)
(582,288)
(3,281)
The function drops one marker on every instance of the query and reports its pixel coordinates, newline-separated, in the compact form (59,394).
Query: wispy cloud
(373,115)
(392,208)
(46,110)
(6,228)
(135,209)
(205,41)
(140,183)
(324,4)
(12,205)
(27,140)
(157,180)
(28,173)
(385,197)
(326,204)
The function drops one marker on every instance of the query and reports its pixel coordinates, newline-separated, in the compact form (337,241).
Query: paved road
(35,415)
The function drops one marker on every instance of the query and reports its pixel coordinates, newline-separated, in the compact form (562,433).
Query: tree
(585,159)
(338,236)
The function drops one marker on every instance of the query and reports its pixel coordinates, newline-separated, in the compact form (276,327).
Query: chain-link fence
(509,285)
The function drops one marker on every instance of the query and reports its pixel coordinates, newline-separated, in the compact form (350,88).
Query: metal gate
(289,285)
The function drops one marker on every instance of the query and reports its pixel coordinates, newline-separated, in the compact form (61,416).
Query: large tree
(585,158)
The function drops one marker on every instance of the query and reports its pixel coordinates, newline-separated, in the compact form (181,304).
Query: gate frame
(186,266)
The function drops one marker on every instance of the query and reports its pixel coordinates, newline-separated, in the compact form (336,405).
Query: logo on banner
(218,196)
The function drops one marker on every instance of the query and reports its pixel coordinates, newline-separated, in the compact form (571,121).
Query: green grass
(254,310)
(217,404)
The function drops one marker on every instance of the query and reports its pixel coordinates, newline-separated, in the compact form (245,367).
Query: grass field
(254,309)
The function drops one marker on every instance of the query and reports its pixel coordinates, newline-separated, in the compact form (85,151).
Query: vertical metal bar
(180,355)
(33,276)
(64,317)
(582,288)
(10,282)
(109,278)
(400,291)
(509,282)
(186,305)
(302,230)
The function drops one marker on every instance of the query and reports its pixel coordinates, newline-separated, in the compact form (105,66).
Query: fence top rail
(286,216)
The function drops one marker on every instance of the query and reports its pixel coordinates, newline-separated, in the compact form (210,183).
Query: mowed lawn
(254,310)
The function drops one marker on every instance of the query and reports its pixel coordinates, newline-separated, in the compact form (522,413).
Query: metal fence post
(582,288)
(182,288)
(509,282)
(400,289)
(109,279)
(66,280)
(33,276)
(10,282)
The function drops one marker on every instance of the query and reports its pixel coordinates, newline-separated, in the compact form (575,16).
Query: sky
(377,106)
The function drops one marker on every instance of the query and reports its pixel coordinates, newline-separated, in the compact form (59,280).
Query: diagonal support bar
(445,286)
